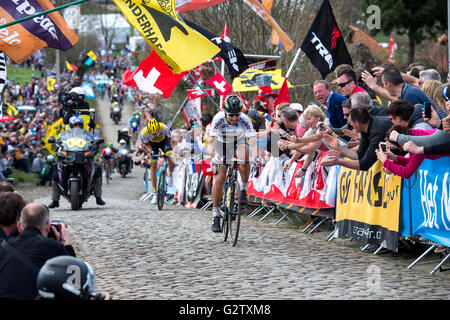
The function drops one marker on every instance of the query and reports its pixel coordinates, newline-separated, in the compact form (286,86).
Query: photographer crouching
(22,256)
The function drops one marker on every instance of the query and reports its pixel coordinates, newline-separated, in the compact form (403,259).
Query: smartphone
(383,146)
(427,109)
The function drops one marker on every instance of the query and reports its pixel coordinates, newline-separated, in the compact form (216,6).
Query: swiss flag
(153,76)
(218,82)
(206,167)
(197,93)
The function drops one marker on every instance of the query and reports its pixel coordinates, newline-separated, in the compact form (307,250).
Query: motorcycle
(124,161)
(76,167)
(116,113)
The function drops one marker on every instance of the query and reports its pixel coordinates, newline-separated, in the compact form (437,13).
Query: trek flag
(233,57)
(324,44)
(191,5)
(260,9)
(21,40)
(153,76)
(218,82)
(181,47)
(70,66)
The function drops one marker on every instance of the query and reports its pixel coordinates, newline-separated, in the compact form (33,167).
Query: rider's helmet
(56,280)
(125,130)
(108,151)
(153,126)
(75,120)
(77,90)
(122,142)
(232,104)
(50,158)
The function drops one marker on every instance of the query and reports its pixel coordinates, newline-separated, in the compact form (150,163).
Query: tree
(418,19)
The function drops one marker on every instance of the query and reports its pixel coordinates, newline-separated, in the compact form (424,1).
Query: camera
(383,146)
(55,223)
(322,127)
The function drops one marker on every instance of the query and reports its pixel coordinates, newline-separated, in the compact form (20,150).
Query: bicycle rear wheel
(234,217)
(161,195)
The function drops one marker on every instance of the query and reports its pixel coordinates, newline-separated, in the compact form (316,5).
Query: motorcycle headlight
(123,152)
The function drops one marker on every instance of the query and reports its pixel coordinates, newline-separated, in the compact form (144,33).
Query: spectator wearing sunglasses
(346,80)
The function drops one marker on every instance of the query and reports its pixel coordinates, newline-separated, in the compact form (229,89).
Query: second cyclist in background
(155,136)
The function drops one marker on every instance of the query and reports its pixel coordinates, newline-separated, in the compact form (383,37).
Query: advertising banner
(368,206)
(426,201)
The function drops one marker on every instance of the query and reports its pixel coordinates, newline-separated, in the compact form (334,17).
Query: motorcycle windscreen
(76,140)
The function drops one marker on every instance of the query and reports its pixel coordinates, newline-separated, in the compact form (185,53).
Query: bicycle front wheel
(107,173)
(161,195)
(228,199)
(234,216)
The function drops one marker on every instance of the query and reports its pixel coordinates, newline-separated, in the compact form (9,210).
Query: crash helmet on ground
(66,278)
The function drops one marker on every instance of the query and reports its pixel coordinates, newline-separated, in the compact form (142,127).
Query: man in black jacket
(373,131)
(23,256)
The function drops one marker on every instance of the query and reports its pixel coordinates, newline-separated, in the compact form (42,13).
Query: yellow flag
(53,130)
(92,55)
(50,83)
(250,78)
(10,110)
(181,47)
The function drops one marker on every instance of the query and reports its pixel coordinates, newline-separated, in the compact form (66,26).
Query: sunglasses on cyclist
(343,84)
(445,93)
(233,115)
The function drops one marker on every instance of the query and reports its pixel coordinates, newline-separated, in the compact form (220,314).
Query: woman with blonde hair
(429,87)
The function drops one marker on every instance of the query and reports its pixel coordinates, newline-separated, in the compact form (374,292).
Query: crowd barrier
(371,206)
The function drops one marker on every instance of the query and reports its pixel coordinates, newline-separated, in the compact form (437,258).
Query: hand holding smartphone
(427,109)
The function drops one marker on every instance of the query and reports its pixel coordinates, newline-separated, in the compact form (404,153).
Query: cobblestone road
(139,252)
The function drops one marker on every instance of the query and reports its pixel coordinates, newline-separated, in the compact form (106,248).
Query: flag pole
(203,90)
(178,112)
(293,62)
(41,13)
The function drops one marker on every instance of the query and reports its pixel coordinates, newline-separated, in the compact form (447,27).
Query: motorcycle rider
(123,145)
(111,110)
(77,123)
(73,100)
(123,135)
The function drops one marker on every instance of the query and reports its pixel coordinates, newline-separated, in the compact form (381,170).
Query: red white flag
(225,35)
(197,93)
(218,82)
(392,48)
(153,76)
(283,94)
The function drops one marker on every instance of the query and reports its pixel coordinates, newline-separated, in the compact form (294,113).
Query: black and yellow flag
(181,47)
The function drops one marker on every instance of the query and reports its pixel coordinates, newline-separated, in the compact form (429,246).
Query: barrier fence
(371,206)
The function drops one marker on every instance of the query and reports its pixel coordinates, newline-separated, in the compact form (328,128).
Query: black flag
(233,57)
(324,44)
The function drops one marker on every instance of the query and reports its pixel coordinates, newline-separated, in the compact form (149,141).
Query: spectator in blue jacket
(331,101)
